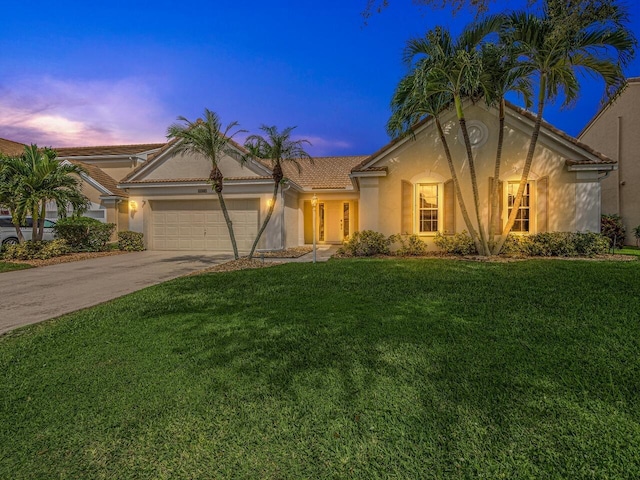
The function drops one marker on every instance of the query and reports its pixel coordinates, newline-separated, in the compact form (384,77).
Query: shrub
(556,244)
(365,244)
(410,245)
(517,245)
(37,250)
(129,241)
(84,234)
(636,233)
(458,244)
(612,227)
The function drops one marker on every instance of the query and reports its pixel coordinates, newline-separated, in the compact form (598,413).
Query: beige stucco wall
(615,133)
(189,165)
(423,161)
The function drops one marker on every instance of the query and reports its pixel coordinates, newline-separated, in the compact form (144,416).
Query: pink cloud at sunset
(56,112)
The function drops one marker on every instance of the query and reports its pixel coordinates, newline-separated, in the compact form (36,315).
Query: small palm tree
(553,48)
(206,137)
(277,148)
(412,101)
(35,179)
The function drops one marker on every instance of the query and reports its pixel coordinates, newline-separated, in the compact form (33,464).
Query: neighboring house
(614,131)
(405,187)
(105,166)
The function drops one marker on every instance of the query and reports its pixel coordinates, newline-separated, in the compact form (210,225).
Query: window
(523,219)
(427,208)
(321,222)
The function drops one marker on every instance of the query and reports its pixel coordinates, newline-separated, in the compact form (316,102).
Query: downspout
(618,152)
(282,226)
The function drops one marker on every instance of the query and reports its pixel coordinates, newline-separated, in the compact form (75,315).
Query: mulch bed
(70,257)
(293,252)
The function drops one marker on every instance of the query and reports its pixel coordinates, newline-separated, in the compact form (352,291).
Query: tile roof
(106,150)
(324,173)
(9,147)
(102,178)
(187,180)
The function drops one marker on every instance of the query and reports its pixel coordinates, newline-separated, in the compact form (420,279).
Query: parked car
(8,234)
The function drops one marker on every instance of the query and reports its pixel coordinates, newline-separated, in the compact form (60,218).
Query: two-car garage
(199,224)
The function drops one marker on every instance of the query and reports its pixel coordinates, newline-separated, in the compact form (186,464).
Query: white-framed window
(523,223)
(428,206)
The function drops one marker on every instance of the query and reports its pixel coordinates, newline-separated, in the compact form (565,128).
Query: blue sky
(95,73)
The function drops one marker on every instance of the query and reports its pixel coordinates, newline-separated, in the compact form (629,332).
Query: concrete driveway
(37,294)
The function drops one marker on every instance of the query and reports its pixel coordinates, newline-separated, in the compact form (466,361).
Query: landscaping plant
(84,234)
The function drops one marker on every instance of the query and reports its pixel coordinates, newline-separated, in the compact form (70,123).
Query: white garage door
(199,225)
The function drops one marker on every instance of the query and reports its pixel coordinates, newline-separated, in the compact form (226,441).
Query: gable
(425,148)
(172,165)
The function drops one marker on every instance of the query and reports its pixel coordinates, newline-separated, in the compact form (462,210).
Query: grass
(8,266)
(628,250)
(351,369)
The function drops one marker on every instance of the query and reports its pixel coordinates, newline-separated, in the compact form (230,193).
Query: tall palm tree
(454,67)
(276,148)
(413,101)
(36,179)
(554,48)
(206,137)
(500,75)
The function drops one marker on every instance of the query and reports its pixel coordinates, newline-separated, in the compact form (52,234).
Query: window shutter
(449,208)
(407,207)
(542,197)
(497,222)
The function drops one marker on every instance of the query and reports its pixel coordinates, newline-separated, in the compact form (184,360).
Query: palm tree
(206,138)
(454,67)
(412,102)
(35,179)
(500,75)
(277,148)
(553,48)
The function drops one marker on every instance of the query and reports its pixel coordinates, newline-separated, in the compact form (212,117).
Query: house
(404,187)
(104,166)
(614,132)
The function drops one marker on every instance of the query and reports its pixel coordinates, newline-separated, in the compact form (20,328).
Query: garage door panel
(200,225)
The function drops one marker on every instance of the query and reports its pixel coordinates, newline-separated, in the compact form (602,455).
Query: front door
(334,221)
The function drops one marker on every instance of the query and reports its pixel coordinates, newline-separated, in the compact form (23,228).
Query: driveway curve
(37,294)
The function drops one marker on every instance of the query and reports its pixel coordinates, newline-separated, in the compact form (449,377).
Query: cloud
(321,146)
(56,112)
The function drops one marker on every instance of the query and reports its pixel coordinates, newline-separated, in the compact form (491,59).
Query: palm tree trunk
(43,213)
(525,170)
(493,213)
(18,230)
(35,210)
(456,185)
(266,220)
(225,213)
(474,185)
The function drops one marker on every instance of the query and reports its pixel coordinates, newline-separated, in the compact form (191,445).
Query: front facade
(406,187)
(614,131)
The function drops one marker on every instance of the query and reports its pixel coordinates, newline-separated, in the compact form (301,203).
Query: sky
(120,72)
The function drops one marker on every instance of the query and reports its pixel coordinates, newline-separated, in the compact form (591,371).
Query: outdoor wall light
(270,202)
(133,205)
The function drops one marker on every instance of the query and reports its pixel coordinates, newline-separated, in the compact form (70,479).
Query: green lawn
(350,369)
(8,267)
(629,251)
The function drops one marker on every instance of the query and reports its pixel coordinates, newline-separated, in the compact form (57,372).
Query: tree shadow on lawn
(500,374)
